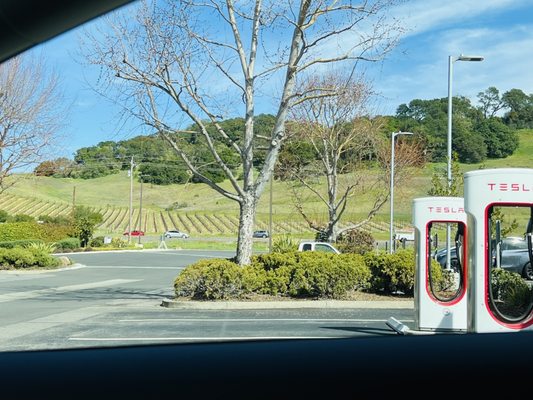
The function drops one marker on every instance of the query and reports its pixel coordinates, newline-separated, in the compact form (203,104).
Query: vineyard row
(117,220)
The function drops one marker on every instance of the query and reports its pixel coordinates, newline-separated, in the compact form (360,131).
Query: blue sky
(499,30)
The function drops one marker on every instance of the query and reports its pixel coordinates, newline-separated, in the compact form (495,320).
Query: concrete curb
(294,304)
(40,271)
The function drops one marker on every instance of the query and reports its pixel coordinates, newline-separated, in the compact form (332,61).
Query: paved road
(115,299)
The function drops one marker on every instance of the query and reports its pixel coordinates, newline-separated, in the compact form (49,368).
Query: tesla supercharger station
(498,203)
(439,293)
(440,303)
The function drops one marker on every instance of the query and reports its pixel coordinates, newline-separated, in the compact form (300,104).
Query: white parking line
(179,253)
(148,320)
(195,338)
(62,289)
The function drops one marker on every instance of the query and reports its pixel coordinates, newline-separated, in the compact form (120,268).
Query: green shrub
(21,218)
(442,281)
(57,220)
(355,241)
(4,216)
(20,258)
(392,273)
(328,275)
(19,243)
(213,279)
(43,259)
(119,243)
(10,231)
(98,241)
(277,270)
(52,232)
(44,247)
(511,292)
(297,274)
(271,261)
(70,244)
(278,280)
(284,244)
(253,279)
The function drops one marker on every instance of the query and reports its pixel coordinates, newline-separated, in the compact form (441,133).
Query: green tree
(520,114)
(500,140)
(429,119)
(163,174)
(21,218)
(490,101)
(85,222)
(4,216)
(96,161)
(468,143)
(439,180)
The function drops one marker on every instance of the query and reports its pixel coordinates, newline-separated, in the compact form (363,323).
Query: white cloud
(424,15)
(423,73)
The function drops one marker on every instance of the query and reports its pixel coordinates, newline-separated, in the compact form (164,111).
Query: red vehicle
(134,233)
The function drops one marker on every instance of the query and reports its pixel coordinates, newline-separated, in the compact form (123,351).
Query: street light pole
(270,216)
(394,134)
(141,206)
(451,60)
(141,211)
(131,199)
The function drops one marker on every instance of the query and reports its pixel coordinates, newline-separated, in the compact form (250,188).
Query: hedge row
(19,243)
(11,231)
(19,258)
(299,274)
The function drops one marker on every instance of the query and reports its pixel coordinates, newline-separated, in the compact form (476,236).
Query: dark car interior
(381,367)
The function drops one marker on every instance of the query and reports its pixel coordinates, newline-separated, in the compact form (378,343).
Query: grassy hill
(198,209)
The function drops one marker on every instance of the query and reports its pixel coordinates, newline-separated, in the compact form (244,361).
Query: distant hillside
(200,210)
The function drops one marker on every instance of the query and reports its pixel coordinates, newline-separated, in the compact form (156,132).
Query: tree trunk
(246,226)
(331,229)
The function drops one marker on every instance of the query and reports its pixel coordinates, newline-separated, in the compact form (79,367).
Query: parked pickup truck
(317,246)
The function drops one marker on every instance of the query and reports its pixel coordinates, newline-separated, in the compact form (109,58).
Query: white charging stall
(439,291)
(440,302)
(498,203)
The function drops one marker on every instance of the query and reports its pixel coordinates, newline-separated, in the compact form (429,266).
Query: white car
(318,246)
(175,234)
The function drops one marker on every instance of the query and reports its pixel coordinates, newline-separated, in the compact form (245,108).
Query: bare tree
(335,125)
(208,59)
(31,113)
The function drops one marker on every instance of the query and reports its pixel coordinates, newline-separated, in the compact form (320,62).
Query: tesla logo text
(509,187)
(446,210)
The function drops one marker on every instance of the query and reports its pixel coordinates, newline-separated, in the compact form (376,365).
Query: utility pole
(131,198)
(270,217)
(141,211)
(73,197)
(141,177)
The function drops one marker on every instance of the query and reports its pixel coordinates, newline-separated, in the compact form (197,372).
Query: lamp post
(141,206)
(394,134)
(130,174)
(451,60)
(270,216)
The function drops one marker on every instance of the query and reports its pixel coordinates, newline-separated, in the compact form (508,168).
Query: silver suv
(514,257)
(175,234)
